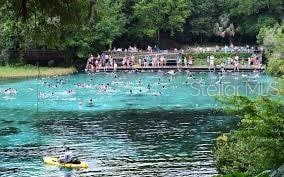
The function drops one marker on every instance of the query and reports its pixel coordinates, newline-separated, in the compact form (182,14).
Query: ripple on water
(9,131)
(122,135)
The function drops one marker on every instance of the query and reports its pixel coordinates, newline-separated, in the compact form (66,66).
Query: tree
(154,16)
(273,41)
(258,144)
(107,24)
(225,28)
(252,15)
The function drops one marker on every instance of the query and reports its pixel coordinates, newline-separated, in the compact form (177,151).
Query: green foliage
(64,11)
(258,143)
(108,24)
(155,15)
(254,14)
(71,30)
(276,66)
(80,27)
(273,40)
(200,58)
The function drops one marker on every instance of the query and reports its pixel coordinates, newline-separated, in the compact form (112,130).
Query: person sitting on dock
(68,156)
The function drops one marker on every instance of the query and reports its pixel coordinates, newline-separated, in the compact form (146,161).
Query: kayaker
(68,156)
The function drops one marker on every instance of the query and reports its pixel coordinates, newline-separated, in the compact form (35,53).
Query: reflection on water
(118,143)
(161,128)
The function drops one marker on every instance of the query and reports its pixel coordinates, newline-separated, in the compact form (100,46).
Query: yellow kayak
(55,161)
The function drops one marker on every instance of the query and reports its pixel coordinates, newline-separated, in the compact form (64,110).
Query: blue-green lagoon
(141,124)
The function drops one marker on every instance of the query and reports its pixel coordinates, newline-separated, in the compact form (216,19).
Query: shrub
(201,58)
(276,66)
(50,63)
(257,146)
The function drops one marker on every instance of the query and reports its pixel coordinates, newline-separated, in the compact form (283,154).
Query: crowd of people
(155,58)
(94,64)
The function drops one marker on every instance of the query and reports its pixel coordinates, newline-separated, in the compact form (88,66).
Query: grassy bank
(7,72)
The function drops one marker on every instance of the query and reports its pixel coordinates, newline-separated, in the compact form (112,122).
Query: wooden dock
(181,68)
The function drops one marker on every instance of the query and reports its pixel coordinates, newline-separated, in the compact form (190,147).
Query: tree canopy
(92,25)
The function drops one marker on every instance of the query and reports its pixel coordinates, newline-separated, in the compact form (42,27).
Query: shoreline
(22,72)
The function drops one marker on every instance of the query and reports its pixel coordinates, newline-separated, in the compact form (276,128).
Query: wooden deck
(182,68)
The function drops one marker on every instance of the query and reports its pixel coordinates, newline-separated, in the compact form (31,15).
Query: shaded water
(140,134)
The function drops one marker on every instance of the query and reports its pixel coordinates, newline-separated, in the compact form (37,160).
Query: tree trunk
(158,36)
(110,45)
(231,41)
(91,10)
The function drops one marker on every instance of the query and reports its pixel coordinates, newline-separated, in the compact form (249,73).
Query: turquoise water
(167,130)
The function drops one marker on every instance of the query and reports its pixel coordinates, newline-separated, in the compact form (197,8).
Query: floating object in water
(171,72)
(10,91)
(55,161)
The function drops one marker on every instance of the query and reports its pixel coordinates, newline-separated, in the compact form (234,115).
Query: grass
(7,72)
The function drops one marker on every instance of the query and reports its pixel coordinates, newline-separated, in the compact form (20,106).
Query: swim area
(141,124)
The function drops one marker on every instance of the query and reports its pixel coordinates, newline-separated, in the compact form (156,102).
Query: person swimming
(90,103)
(10,91)
(172,72)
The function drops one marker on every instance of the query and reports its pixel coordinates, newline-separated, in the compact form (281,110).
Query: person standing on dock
(162,60)
(189,60)
(114,66)
(185,61)
(145,61)
(211,62)
(236,65)
(179,60)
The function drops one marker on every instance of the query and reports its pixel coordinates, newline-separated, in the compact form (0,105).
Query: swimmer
(189,77)
(10,91)
(256,76)
(130,92)
(171,72)
(70,91)
(158,94)
(219,81)
(90,103)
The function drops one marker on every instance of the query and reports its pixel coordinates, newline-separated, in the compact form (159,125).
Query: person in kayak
(68,156)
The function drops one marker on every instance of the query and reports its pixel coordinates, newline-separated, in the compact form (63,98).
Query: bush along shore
(7,72)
